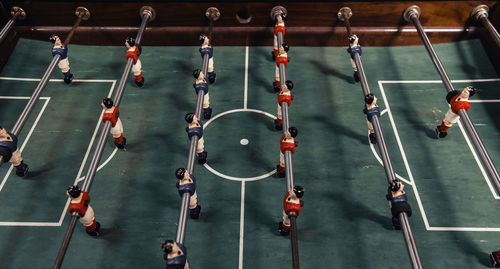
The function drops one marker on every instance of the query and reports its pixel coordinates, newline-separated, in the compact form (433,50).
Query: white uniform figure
(62,50)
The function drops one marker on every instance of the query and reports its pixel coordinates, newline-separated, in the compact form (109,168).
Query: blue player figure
(398,202)
(202,85)
(206,48)
(175,254)
(371,109)
(195,128)
(187,184)
(353,48)
(10,152)
(62,50)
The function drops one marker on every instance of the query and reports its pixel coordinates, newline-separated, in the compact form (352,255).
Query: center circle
(240,159)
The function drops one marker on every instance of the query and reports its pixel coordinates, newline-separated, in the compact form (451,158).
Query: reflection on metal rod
(480,13)
(413,14)
(17,13)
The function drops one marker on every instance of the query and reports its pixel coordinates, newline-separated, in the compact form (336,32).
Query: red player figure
(279,27)
(133,52)
(287,142)
(457,100)
(281,58)
(285,95)
(80,204)
(111,113)
(10,152)
(291,206)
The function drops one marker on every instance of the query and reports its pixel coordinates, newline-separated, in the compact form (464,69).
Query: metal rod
(389,171)
(288,160)
(67,238)
(410,241)
(72,32)
(345,13)
(182,222)
(89,177)
(294,242)
(412,14)
(6,28)
(16,12)
(480,13)
(493,32)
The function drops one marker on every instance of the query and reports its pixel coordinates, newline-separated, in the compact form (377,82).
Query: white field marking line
(209,168)
(47,100)
(242,224)
(59,223)
(405,160)
(414,186)
(481,167)
(372,147)
(238,110)
(245,93)
(84,161)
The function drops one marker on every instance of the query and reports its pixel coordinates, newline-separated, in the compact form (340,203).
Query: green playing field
(345,222)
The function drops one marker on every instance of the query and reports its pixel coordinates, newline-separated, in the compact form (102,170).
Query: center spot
(244,141)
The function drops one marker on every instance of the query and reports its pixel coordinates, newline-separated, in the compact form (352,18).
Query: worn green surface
(345,222)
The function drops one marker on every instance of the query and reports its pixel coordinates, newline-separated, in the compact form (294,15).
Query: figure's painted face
(3,132)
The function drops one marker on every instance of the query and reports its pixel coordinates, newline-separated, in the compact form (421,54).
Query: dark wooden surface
(377,23)
(111,22)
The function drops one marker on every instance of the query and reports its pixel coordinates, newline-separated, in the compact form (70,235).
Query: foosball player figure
(175,254)
(80,204)
(354,48)
(202,85)
(195,128)
(111,113)
(206,48)
(287,142)
(291,206)
(495,258)
(187,184)
(282,58)
(279,27)
(62,50)
(133,52)
(398,202)
(457,100)
(371,109)
(285,95)
(10,152)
